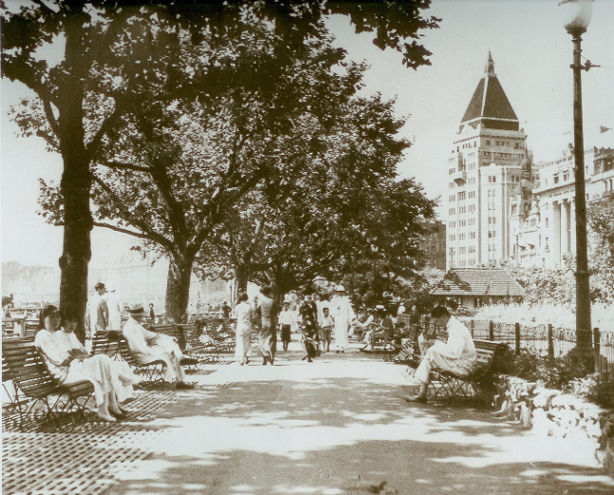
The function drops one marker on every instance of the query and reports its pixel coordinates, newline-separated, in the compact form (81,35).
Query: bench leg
(449,387)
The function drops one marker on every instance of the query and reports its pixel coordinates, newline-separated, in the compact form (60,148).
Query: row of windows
(466,145)
(461,236)
(463,209)
(565,177)
(504,143)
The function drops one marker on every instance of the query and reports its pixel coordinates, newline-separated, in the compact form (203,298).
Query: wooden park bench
(115,345)
(448,386)
(220,332)
(13,405)
(204,352)
(178,332)
(107,343)
(407,354)
(48,398)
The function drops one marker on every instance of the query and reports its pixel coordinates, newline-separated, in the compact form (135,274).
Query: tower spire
(489,68)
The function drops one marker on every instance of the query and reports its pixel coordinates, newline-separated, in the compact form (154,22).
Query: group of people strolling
(316,320)
(69,362)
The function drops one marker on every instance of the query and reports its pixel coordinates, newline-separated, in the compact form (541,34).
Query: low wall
(552,412)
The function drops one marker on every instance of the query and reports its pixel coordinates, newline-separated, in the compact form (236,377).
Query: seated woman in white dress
(121,374)
(73,365)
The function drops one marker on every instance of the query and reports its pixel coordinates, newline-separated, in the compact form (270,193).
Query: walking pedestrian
(308,314)
(285,324)
(97,317)
(243,313)
(326,327)
(114,306)
(268,333)
(343,314)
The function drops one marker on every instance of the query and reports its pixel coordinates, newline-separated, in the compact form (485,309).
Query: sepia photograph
(307,247)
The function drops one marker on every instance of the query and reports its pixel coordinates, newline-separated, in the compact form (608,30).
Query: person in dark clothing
(226,310)
(268,332)
(308,313)
(152,313)
(285,324)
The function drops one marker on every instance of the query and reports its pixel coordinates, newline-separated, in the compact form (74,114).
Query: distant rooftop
(489,105)
(478,282)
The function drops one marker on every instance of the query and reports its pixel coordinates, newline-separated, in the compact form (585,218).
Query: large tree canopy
(121,56)
(344,213)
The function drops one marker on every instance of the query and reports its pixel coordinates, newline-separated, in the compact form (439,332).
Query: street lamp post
(579,14)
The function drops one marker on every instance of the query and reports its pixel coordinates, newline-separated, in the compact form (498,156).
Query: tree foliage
(344,213)
(135,77)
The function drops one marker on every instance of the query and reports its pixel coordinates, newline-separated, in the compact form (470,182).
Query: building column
(555,237)
(572,226)
(564,229)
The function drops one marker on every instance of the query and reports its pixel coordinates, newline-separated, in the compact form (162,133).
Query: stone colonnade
(562,230)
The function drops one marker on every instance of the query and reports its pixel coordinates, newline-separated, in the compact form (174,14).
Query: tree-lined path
(339,426)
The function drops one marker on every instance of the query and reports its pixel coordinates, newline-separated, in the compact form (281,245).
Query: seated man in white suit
(457,355)
(149,346)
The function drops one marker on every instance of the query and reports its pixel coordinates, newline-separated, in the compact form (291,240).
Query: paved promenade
(336,426)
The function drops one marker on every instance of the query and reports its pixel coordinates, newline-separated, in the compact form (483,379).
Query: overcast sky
(532,53)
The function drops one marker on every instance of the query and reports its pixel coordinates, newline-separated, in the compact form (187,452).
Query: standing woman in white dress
(73,365)
(342,312)
(243,313)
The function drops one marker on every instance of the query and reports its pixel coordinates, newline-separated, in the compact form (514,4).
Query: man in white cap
(343,314)
(150,346)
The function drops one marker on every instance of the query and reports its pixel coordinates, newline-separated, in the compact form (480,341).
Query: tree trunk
(178,287)
(75,184)
(241,277)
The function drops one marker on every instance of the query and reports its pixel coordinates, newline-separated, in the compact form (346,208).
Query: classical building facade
(545,233)
(484,169)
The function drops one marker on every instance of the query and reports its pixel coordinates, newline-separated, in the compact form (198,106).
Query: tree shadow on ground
(319,434)
(407,467)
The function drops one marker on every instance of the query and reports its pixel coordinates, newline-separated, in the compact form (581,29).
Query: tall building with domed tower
(487,163)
